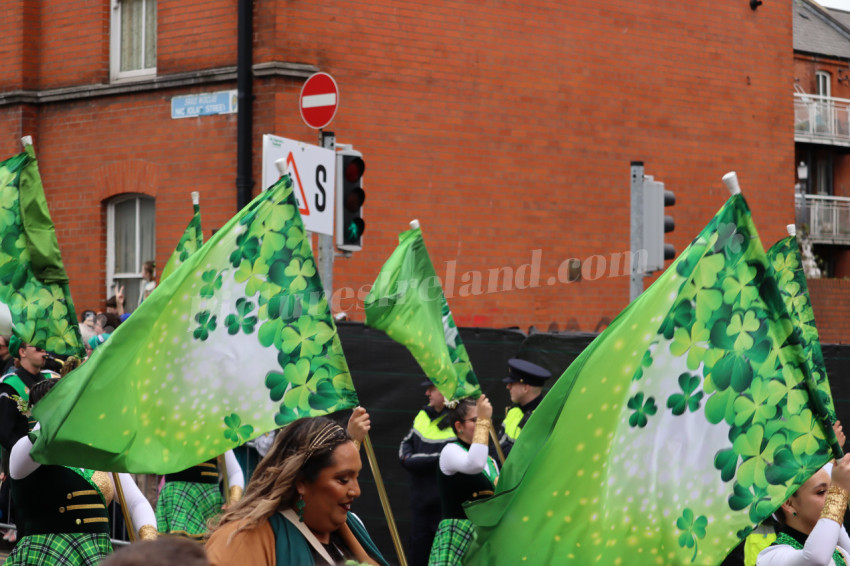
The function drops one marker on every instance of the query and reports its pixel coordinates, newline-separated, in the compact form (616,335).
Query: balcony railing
(827,217)
(821,119)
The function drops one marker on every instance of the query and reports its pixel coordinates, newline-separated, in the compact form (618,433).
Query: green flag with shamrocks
(33,282)
(685,423)
(190,242)
(238,341)
(787,261)
(407,302)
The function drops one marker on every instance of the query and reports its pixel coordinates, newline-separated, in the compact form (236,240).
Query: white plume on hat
(6,324)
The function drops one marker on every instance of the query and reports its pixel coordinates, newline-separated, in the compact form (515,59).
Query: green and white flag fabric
(33,282)
(239,340)
(684,424)
(407,302)
(787,261)
(190,242)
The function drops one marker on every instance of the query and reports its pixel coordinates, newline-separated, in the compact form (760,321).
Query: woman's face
(807,503)
(466,427)
(327,500)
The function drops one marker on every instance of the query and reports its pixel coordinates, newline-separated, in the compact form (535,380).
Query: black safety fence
(389,384)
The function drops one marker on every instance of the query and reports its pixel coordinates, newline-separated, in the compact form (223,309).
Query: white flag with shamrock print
(238,341)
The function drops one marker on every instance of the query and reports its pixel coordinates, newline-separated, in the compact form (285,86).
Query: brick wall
(831,303)
(509,137)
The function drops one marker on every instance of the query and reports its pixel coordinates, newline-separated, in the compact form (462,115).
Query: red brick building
(506,128)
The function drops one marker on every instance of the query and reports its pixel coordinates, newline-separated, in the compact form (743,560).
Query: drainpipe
(245,121)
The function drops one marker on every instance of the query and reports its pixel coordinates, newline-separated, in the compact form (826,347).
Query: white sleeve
(817,551)
(234,471)
(454,459)
(21,463)
(138,507)
(844,540)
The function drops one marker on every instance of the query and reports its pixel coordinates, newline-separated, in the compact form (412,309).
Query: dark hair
(111,302)
(40,389)
(458,414)
(164,551)
(300,451)
(112,320)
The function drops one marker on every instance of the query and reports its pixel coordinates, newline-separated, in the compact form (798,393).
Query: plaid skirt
(62,549)
(451,541)
(184,508)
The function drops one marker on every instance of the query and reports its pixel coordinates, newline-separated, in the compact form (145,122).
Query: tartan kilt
(60,549)
(184,508)
(451,541)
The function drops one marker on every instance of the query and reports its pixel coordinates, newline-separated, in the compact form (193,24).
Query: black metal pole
(245,121)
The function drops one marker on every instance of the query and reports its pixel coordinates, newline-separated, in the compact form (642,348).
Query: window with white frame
(130,241)
(133,39)
(822,83)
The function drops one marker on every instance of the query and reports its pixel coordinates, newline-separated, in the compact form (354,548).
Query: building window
(133,39)
(822,80)
(130,241)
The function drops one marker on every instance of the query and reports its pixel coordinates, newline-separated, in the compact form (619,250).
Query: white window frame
(111,275)
(823,83)
(115,72)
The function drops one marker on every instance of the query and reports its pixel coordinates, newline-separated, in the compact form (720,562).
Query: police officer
(525,383)
(419,454)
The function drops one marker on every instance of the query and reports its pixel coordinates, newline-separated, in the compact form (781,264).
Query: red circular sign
(319,100)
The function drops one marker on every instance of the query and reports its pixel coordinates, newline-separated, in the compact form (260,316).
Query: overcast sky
(840,4)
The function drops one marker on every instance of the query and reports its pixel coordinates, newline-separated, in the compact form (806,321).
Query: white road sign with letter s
(312,171)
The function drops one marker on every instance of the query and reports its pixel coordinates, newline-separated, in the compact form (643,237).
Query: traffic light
(349,200)
(656,223)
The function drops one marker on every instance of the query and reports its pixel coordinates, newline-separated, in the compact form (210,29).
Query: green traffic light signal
(350,198)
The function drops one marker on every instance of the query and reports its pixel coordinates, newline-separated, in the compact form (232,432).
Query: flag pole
(222,467)
(128,521)
(385,501)
(499,452)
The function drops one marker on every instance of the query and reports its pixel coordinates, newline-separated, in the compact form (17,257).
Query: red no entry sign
(319,100)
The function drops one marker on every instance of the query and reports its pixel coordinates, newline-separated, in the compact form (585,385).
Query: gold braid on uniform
(104,484)
(147,532)
(835,504)
(482,431)
(235,493)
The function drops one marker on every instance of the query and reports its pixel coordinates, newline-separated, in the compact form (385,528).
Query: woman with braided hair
(810,532)
(467,473)
(296,509)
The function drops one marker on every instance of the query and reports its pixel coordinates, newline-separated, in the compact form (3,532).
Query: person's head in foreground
(164,551)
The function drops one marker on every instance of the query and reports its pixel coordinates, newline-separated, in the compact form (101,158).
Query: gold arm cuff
(235,493)
(148,532)
(482,432)
(357,444)
(835,504)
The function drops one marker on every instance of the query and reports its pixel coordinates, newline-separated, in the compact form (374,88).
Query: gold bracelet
(482,432)
(356,444)
(148,532)
(835,504)
(235,493)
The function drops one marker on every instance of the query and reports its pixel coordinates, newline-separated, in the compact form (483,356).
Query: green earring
(299,507)
(794,513)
